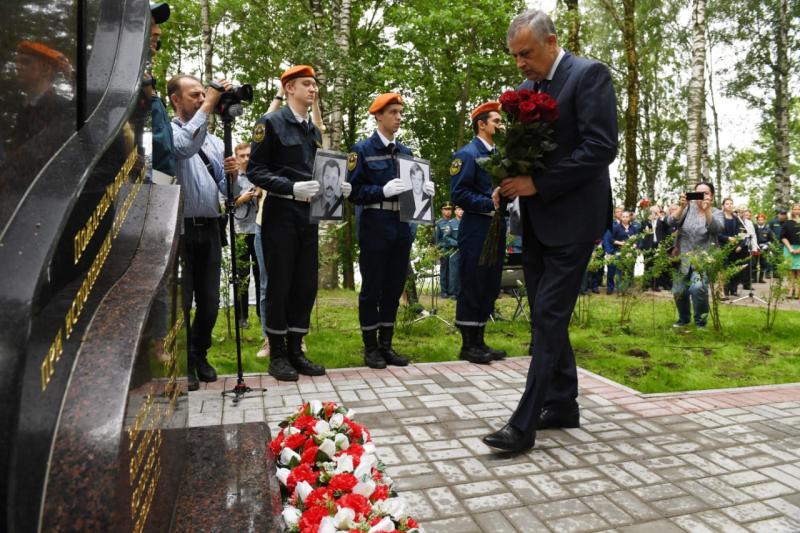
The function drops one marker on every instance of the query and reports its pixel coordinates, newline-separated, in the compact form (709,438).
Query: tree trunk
(208,50)
(696,101)
(462,110)
(718,152)
(342,38)
(348,234)
(783,185)
(647,161)
(573,27)
(632,108)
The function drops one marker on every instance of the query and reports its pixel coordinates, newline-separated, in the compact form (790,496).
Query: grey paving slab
(637,464)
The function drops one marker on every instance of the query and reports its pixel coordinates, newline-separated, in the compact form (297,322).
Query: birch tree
(696,104)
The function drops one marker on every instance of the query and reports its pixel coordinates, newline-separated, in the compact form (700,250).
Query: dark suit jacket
(574,189)
(409,210)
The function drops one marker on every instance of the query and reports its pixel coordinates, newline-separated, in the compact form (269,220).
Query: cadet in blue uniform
(471,189)
(442,230)
(453,270)
(384,241)
(284,145)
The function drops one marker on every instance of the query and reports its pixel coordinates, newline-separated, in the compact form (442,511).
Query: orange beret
(485,108)
(44,52)
(297,71)
(384,100)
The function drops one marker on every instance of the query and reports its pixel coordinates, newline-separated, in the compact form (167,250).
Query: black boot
(205,372)
(470,351)
(389,355)
(191,370)
(298,359)
(373,357)
(496,354)
(279,366)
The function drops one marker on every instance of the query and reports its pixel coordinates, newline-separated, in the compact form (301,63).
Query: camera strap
(207,163)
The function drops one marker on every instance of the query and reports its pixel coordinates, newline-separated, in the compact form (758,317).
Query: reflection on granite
(229,482)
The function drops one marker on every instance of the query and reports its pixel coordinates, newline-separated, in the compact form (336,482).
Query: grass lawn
(646,354)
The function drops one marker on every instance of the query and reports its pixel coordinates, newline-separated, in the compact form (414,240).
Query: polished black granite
(229,483)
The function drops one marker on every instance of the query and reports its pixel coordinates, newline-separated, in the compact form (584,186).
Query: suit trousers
(553,277)
(291,247)
(201,254)
(481,283)
(384,267)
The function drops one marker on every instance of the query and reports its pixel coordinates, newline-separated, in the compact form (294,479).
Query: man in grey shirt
(201,169)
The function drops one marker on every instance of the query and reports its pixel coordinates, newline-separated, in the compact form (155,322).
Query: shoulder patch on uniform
(258,132)
(455,167)
(352,160)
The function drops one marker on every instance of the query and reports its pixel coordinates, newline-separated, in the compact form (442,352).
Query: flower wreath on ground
(331,479)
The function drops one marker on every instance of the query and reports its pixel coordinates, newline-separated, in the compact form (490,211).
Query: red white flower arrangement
(331,479)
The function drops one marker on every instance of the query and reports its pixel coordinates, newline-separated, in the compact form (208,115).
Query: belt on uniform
(289,197)
(386,205)
(200,221)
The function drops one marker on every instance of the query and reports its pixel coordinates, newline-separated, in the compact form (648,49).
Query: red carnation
(319,496)
(355,451)
(343,482)
(276,445)
(301,473)
(295,441)
(311,517)
(309,455)
(355,430)
(329,408)
(381,492)
(305,422)
(411,523)
(356,502)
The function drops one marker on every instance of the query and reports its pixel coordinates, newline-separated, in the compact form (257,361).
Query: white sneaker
(264,351)
(303,346)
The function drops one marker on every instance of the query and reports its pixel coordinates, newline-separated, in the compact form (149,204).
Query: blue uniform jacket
(471,185)
(618,233)
(163,158)
(370,166)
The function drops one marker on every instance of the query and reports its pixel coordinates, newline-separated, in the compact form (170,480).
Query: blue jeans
(262,290)
(695,286)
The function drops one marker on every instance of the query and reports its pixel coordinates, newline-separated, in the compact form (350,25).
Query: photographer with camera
(201,169)
(698,223)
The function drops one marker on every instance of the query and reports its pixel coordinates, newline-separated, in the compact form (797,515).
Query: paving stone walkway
(724,460)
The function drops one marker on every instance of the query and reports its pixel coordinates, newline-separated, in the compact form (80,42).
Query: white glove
(305,190)
(394,187)
(429,188)
(346,189)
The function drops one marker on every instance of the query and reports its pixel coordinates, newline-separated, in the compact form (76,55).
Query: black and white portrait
(416,202)
(329,171)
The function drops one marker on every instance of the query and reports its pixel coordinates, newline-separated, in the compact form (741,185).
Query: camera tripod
(241,388)
(434,310)
(750,294)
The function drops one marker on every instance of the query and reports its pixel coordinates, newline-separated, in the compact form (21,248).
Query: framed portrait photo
(330,172)
(415,204)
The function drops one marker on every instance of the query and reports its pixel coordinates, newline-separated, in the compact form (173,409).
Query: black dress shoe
(281,369)
(497,355)
(298,358)
(206,372)
(559,417)
(193,383)
(510,439)
(373,358)
(470,348)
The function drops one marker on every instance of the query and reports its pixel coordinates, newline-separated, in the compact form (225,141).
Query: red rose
(548,107)
(301,473)
(644,202)
(510,101)
(311,517)
(356,502)
(528,112)
(309,455)
(295,441)
(381,492)
(343,482)
(526,94)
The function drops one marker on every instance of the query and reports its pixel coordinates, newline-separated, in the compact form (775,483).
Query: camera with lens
(230,103)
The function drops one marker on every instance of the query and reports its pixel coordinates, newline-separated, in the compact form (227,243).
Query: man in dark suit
(555,254)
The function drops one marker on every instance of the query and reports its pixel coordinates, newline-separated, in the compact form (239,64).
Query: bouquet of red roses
(520,151)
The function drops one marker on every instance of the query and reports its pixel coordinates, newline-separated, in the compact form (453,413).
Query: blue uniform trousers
(385,244)
(479,285)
